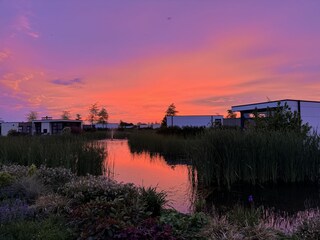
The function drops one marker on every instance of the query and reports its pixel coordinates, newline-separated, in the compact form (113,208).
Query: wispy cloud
(4,54)
(75,81)
(23,25)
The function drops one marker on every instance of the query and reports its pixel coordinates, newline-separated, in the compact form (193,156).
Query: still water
(144,170)
(147,170)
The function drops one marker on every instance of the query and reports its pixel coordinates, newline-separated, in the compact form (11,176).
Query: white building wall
(310,113)
(193,121)
(46,125)
(7,126)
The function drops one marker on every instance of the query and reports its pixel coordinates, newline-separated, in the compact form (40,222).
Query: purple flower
(250,199)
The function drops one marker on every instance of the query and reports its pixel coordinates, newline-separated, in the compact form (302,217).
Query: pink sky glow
(136,57)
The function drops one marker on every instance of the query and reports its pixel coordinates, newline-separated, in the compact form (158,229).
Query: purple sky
(137,57)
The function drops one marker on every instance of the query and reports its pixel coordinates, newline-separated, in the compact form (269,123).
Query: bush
(52,228)
(5,179)
(155,201)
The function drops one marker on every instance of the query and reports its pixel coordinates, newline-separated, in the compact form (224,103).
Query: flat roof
(196,116)
(56,120)
(282,100)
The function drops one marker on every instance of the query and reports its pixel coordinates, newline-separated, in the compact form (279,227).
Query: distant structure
(106,125)
(49,126)
(309,111)
(19,127)
(195,121)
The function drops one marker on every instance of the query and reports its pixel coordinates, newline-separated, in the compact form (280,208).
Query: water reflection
(145,170)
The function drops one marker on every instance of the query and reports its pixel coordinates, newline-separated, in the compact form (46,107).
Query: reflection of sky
(143,171)
(137,57)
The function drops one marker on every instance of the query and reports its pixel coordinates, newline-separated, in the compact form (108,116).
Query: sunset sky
(136,57)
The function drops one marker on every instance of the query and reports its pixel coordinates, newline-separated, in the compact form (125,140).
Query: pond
(145,170)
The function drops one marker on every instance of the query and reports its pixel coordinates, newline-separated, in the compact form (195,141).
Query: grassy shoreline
(83,207)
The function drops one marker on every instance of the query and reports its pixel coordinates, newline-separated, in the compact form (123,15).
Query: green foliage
(32,169)
(281,119)
(52,228)
(183,225)
(6,179)
(154,200)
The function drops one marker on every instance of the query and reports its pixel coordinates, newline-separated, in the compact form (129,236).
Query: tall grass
(75,152)
(150,141)
(226,157)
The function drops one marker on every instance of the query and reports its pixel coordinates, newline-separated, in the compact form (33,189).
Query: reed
(75,152)
(150,141)
(225,157)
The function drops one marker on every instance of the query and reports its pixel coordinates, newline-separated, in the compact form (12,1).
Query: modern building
(309,111)
(49,126)
(6,127)
(195,121)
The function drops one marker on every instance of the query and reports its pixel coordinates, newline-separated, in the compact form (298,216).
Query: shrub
(50,203)
(54,177)
(5,179)
(17,171)
(184,225)
(52,228)
(155,201)
(27,188)
(13,210)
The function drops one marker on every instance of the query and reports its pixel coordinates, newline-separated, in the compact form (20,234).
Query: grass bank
(67,206)
(77,152)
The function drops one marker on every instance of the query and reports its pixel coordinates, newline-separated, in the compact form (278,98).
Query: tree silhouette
(93,113)
(171,110)
(231,114)
(31,116)
(65,115)
(103,116)
(78,116)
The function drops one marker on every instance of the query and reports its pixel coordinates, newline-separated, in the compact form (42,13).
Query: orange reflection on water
(143,170)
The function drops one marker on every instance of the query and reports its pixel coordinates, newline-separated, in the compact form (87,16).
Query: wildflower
(250,199)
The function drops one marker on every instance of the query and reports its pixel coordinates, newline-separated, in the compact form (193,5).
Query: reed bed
(225,157)
(150,141)
(77,153)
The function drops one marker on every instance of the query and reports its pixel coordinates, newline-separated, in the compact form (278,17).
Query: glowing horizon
(136,57)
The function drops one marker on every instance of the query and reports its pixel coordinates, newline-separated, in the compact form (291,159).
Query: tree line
(96,115)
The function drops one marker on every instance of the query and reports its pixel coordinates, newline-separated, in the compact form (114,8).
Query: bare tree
(78,116)
(31,116)
(103,116)
(65,115)
(93,113)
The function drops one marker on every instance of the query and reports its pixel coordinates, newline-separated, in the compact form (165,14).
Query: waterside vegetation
(94,207)
(80,153)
